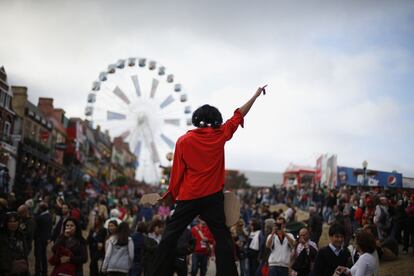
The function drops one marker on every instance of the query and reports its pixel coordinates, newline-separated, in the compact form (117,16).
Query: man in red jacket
(203,246)
(196,185)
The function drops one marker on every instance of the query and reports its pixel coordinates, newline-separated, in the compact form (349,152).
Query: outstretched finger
(264,89)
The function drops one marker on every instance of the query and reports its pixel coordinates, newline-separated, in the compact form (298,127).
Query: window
(2,96)
(34,133)
(6,130)
(27,128)
(7,104)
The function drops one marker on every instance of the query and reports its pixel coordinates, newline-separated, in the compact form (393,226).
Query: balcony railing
(6,138)
(36,145)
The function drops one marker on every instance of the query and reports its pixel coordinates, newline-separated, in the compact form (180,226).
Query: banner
(318,172)
(331,171)
(326,170)
(371,178)
(408,182)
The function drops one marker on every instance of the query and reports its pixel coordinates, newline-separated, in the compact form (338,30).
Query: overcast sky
(340,73)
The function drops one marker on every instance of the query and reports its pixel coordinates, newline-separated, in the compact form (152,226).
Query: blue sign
(369,178)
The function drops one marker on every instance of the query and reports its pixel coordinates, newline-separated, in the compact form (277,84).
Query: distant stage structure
(138,99)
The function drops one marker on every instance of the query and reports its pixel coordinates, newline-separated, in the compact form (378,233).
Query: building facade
(8,148)
(58,142)
(123,160)
(35,146)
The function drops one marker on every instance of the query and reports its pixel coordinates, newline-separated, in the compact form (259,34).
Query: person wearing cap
(196,185)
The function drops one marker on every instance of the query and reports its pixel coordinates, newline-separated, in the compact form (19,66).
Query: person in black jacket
(27,225)
(43,229)
(185,246)
(13,248)
(303,255)
(69,251)
(96,242)
(332,255)
(138,239)
(64,214)
(315,225)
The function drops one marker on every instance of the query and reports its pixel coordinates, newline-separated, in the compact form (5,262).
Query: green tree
(236,180)
(120,181)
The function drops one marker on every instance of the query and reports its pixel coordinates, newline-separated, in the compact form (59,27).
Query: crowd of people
(116,235)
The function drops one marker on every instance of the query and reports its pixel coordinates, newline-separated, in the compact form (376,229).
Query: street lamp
(364,165)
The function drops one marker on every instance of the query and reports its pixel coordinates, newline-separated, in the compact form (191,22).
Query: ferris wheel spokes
(137,87)
(167,101)
(168,141)
(154,86)
(175,122)
(121,95)
(111,115)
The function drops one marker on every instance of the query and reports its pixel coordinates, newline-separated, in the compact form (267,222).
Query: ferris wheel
(135,98)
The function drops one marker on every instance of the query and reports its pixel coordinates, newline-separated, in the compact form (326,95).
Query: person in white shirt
(280,243)
(289,214)
(367,264)
(253,246)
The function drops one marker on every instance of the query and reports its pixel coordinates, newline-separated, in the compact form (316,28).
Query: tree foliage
(236,180)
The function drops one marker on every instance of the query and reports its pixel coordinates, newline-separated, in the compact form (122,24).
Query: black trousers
(180,267)
(211,210)
(40,247)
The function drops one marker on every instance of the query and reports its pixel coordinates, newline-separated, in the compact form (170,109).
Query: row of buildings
(38,142)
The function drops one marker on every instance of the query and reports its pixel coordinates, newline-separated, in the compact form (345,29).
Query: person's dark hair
(282,218)
(122,234)
(78,231)
(255,225)
(142,227)
(99,221)
(114,222)
(74,204)
(207,115)
(8,217)
(336,229)
(373,229)
(365,241)
(154,224)
(43,207)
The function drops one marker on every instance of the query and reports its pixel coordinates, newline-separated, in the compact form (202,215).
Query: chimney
(19,100)
(58,114)
(45,106)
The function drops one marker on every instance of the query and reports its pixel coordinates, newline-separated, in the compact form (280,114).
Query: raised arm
(246,107)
